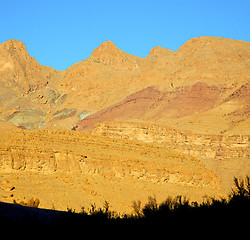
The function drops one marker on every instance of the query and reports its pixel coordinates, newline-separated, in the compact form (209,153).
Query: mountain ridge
(108,47)
(109,76)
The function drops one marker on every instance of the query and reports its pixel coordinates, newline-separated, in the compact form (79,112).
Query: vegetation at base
(30,203)
(235,209)
(174,210)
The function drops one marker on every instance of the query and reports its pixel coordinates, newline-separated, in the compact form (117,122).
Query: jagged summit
(107,44)
(15,48)
(101,53)
(20,71)
(107,53)
(13,44)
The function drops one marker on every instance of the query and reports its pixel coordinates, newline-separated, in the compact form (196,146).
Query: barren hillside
(175,122)
(32,95)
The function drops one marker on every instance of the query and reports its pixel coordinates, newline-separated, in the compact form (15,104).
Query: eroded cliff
(226,155)
(96,164)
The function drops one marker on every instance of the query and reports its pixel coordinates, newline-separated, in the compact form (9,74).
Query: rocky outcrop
(107,53)
(68,168)
(226,155)
(51,151)
(199,145)
(27,119)
(19,70)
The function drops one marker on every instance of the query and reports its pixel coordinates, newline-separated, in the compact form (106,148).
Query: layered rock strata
(101,163)
(226,155)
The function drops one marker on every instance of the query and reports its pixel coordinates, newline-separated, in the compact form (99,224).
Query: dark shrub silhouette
(174,211)
(30,203)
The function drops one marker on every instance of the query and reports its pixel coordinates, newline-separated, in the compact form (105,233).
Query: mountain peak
(106,47)
(107,44)
(107,53)
(159,51)
(13,44)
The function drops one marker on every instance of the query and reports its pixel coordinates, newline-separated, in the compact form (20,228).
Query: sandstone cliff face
(96,168)
(226,155)
(51,151)
(199,145)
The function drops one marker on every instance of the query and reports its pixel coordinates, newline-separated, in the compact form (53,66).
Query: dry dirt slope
(67,168)
(199,107)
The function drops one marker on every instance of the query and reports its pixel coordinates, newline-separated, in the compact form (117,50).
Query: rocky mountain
(174,122)
(21,77)
(19,70)
(109,54)
(32,95)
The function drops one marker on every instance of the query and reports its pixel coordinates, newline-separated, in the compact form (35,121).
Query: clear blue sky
(59,33)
